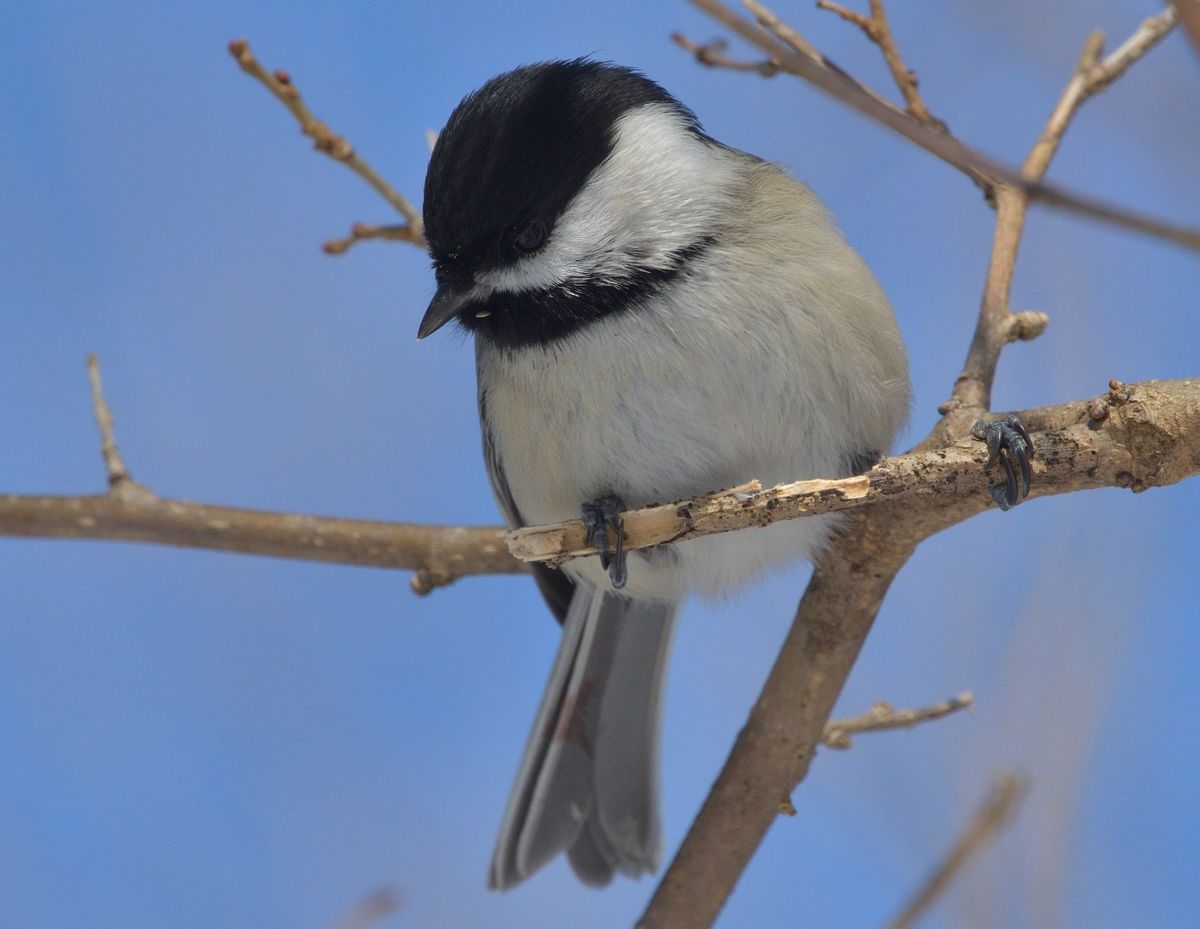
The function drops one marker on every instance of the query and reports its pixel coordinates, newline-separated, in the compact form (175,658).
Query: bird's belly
(651,436)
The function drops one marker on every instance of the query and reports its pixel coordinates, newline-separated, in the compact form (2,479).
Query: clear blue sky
(196,740)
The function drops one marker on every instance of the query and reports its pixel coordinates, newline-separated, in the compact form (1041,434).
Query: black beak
(445,305)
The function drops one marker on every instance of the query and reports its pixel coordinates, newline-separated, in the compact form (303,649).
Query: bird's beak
(445,305)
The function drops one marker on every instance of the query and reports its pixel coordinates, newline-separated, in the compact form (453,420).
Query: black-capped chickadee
(656,315)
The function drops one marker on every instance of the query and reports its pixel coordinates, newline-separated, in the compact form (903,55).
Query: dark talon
(1008,440)
(602,516)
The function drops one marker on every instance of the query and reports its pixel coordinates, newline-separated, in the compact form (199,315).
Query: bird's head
(563,192)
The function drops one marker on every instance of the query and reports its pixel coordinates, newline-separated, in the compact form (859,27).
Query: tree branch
(773,751)
(998,810)
(335,146)
(713,55)
(1138,436)
(879,31)
(130,512)
(883,716)
(997,323)
(798,58)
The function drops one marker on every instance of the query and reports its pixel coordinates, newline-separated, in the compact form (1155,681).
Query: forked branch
(335,146)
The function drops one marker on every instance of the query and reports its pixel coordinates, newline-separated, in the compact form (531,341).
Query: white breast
(773,360)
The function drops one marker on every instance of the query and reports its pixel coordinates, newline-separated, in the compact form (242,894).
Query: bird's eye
(529,238)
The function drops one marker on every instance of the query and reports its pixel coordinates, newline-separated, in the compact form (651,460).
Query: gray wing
(556,587)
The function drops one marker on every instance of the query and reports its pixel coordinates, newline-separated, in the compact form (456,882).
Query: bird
(656,315)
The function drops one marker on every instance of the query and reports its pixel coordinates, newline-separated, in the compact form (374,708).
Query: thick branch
(1146,434)
(326,140)
(798,58)
(1137,436)
(775,748)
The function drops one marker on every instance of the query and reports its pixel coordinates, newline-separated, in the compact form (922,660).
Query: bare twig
(989,821)
(361,231)
(883,716)
(879,31)
(114,464)
(325,139)
(820,72)
(997,324)
(713,55)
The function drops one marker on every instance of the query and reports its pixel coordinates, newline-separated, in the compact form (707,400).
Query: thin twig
(114,464)
(713,55)
(883,716)
(986,825)
(996,325)
(121,485)
(822,74)
(879,30)
(360,232)
(325,139)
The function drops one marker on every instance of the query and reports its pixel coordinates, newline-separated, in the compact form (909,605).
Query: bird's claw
(601,517)
(1007,440)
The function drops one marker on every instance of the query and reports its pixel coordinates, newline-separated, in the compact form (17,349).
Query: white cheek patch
(660,190)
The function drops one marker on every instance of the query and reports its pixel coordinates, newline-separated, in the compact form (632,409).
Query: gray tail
(588,780)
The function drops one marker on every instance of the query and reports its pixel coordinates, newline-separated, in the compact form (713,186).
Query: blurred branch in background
(996,813)
(379,905)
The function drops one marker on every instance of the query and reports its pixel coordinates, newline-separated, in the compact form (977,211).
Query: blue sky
(195,739)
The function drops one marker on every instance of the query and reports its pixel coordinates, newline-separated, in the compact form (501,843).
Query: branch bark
(797,57)
(775,748)
(883,716)
(1136,436)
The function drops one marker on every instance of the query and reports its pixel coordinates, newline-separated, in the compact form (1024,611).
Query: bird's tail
(588,780)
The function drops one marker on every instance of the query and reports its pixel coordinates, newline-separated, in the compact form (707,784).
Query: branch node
(427,580)
(1025,326)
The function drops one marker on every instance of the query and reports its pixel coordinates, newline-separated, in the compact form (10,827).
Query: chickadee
(656,315)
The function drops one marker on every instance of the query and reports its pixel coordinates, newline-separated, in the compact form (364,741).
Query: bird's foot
(602,517)
(1007,440)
